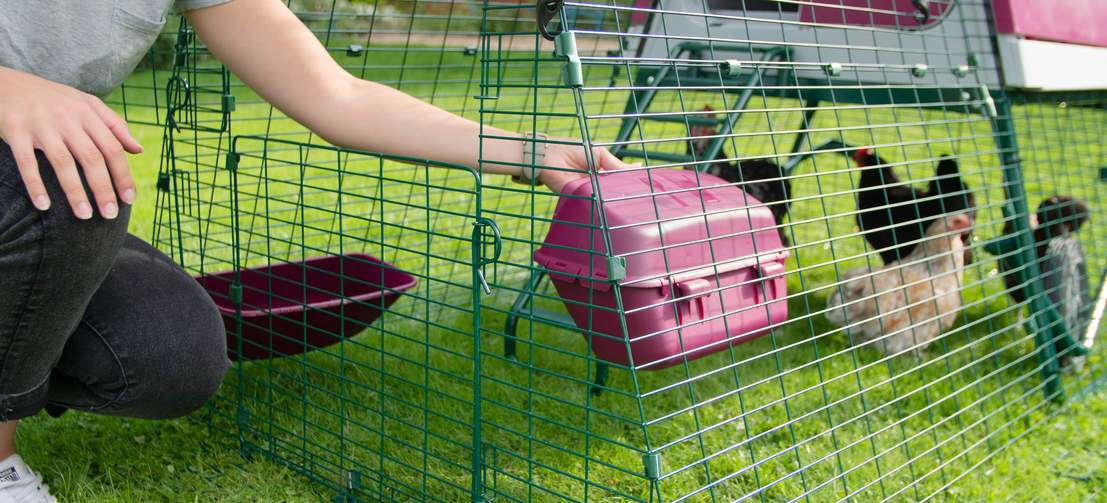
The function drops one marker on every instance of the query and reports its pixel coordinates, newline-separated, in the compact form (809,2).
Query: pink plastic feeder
(704,265)
(293,307)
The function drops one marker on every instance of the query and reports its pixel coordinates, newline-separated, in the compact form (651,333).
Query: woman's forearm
(374,117)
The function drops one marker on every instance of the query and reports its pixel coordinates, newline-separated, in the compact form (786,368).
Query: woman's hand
(71,128)
(572,156)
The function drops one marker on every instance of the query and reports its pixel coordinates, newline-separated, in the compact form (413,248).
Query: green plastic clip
(228,103)
(235,293)
(242,417)
(919,70)
(353,481)
(616,268)
(961,71)
(565,45)
(163,182)
(652,463)
(242,421)
(232,160)
(833,69)
(974,60)
(354,50)
(180,49)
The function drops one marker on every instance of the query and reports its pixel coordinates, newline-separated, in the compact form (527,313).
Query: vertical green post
(1048,326)
(480,283)
(477,488)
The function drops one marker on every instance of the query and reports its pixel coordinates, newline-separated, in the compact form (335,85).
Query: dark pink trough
(704,265)
(292,307)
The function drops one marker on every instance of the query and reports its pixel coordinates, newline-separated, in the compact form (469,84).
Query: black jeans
(95,319)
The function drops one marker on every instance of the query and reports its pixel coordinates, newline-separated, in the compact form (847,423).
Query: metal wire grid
(798,414)
(427,405)
(388,413)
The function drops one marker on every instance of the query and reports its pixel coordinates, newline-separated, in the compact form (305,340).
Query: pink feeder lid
(668,224)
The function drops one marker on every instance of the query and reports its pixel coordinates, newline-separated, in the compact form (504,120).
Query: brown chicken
(909,302)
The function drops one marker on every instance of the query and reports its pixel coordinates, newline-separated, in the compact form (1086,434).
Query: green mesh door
(347,279)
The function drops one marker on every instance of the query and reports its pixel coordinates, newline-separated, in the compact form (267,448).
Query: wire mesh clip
(616,268)
(833,69)
(919,70)
(565,45)
(652,463)
(164,182)
(232,160)
(989,102)
(545,12)
(180,47)
(730,67)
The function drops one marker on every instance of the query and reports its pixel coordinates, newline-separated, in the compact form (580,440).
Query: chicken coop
(853,258)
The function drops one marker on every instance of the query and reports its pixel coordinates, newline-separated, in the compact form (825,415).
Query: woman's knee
(165,331)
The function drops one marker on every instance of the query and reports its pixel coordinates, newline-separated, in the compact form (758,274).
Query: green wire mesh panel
(789,353)
(345,278)
(768,94)
(387,412)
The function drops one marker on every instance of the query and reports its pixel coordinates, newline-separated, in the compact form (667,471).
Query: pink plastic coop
(704,265)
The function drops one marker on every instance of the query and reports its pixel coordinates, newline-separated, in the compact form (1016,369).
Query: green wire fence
(686,330)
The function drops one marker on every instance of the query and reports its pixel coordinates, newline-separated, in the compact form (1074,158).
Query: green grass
(379,394)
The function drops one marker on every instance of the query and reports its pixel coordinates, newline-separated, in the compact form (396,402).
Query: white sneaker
(18,484)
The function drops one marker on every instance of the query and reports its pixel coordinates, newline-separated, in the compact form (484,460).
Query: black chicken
(760,178)
(893,215)
(1064,270)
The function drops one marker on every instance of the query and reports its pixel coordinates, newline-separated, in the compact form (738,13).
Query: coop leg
(811,106)
(521,302)
(601,378)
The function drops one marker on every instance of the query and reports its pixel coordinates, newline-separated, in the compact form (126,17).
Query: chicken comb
(861,152)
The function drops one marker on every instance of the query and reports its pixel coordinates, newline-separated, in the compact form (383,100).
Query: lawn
(971,417)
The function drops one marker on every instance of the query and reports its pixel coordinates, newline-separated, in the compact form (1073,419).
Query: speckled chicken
(1064,270)
(909,302)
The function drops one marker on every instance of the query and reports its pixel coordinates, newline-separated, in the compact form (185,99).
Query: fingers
(117,126)
(605,160)
(89,156)
(111,147)
(97,153)
(25,160)
(57,152)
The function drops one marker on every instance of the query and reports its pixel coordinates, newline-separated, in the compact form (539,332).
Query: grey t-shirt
(91,45)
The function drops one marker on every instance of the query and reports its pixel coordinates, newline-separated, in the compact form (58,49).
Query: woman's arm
(266,46)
